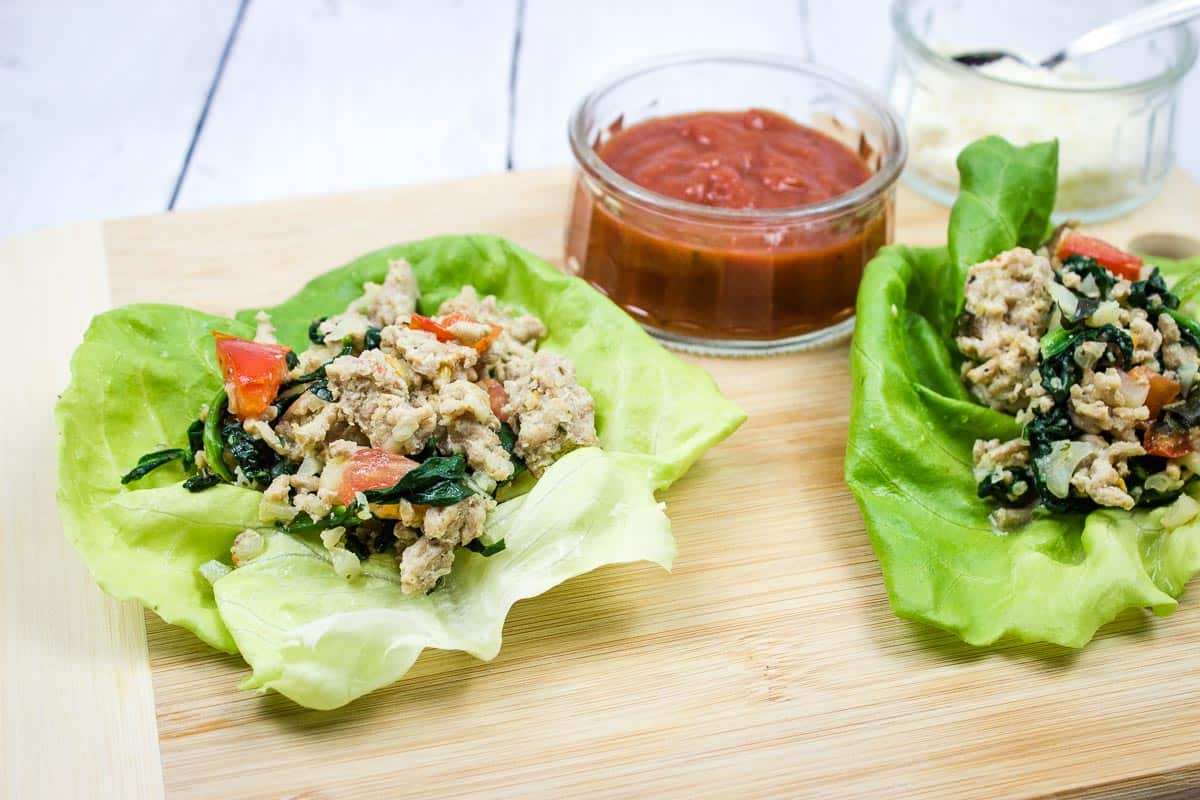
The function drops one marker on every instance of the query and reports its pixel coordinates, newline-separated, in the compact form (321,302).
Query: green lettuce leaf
(1005,198)
(323,642)
(143,372)
(138,380)
(908,458)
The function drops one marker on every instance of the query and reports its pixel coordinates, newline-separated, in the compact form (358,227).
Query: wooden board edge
(1176,784)
(77,713)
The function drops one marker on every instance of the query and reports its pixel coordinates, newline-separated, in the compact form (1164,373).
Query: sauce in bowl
(734,159)
(734,278)
(739,230)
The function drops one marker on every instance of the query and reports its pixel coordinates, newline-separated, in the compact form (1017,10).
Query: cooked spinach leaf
(1045,429)
(1183,415)
(1015,492)
(256,460)
(319,373)
(1059,505)
(284,401)
(152,461)
(1152,294)
(321,389)
(214,445)
(283,467)
(486,550)
(356,546)
(195,436)
(1189,329)
(508,440)
(427,452)
(314,332)
(292,359)
(1049,427)
(1084,266)
(1140,469)
(372,339)
(1057,363)
(1084,308)
(338,517)
(438,481)
(201,481)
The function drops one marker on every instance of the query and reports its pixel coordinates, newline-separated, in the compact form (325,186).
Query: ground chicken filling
(1086,345)
(391,433)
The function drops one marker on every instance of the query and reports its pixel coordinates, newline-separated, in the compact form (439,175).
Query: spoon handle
(1130,26)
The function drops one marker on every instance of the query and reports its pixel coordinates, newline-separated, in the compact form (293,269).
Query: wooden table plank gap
(238,16)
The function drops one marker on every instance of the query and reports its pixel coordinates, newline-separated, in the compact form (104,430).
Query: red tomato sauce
(742,279)
(734,159)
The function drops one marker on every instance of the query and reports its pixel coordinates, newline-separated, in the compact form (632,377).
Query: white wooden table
(119,107)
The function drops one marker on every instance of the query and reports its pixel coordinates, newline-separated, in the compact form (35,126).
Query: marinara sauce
(728,276)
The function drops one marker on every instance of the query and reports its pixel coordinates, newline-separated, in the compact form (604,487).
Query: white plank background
(119,107)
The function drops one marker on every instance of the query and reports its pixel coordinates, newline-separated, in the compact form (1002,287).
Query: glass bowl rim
(893,133)
(1185,44)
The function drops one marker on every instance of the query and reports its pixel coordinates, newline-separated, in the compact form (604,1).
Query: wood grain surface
(767,664)
(77,716)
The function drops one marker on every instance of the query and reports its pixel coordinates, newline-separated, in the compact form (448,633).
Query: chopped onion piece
(1065,298)
(1055,319)
(1186,375)
(247,545)
(1087,354)
(1088,286)
(481,483)
(331,537)
(1060,464)
(269,511)
(1107,314)
(1163,483)
(1133,393)
(345,563)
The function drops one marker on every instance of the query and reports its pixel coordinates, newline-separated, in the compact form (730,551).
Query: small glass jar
(1113,112)
(731,281)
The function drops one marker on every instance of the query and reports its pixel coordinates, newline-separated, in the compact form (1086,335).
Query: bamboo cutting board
(768,664)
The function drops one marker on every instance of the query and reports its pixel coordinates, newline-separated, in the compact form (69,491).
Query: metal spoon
(1140,22)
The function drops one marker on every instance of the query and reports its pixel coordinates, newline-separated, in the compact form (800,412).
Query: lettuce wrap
(913,424)
(143,371)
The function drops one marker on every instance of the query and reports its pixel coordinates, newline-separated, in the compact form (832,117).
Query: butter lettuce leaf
(321,641)
(143,372)
(1005,198)
(912,427)
(138,380)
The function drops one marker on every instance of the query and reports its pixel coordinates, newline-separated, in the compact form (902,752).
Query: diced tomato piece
(372,469)
(1113,259)
(482,343)
(253,373)
(497,397)
(422,323)
(1168,444)
(1163,390)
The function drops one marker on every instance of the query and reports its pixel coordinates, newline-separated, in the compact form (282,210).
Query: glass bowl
(729,281)
(1113,113)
